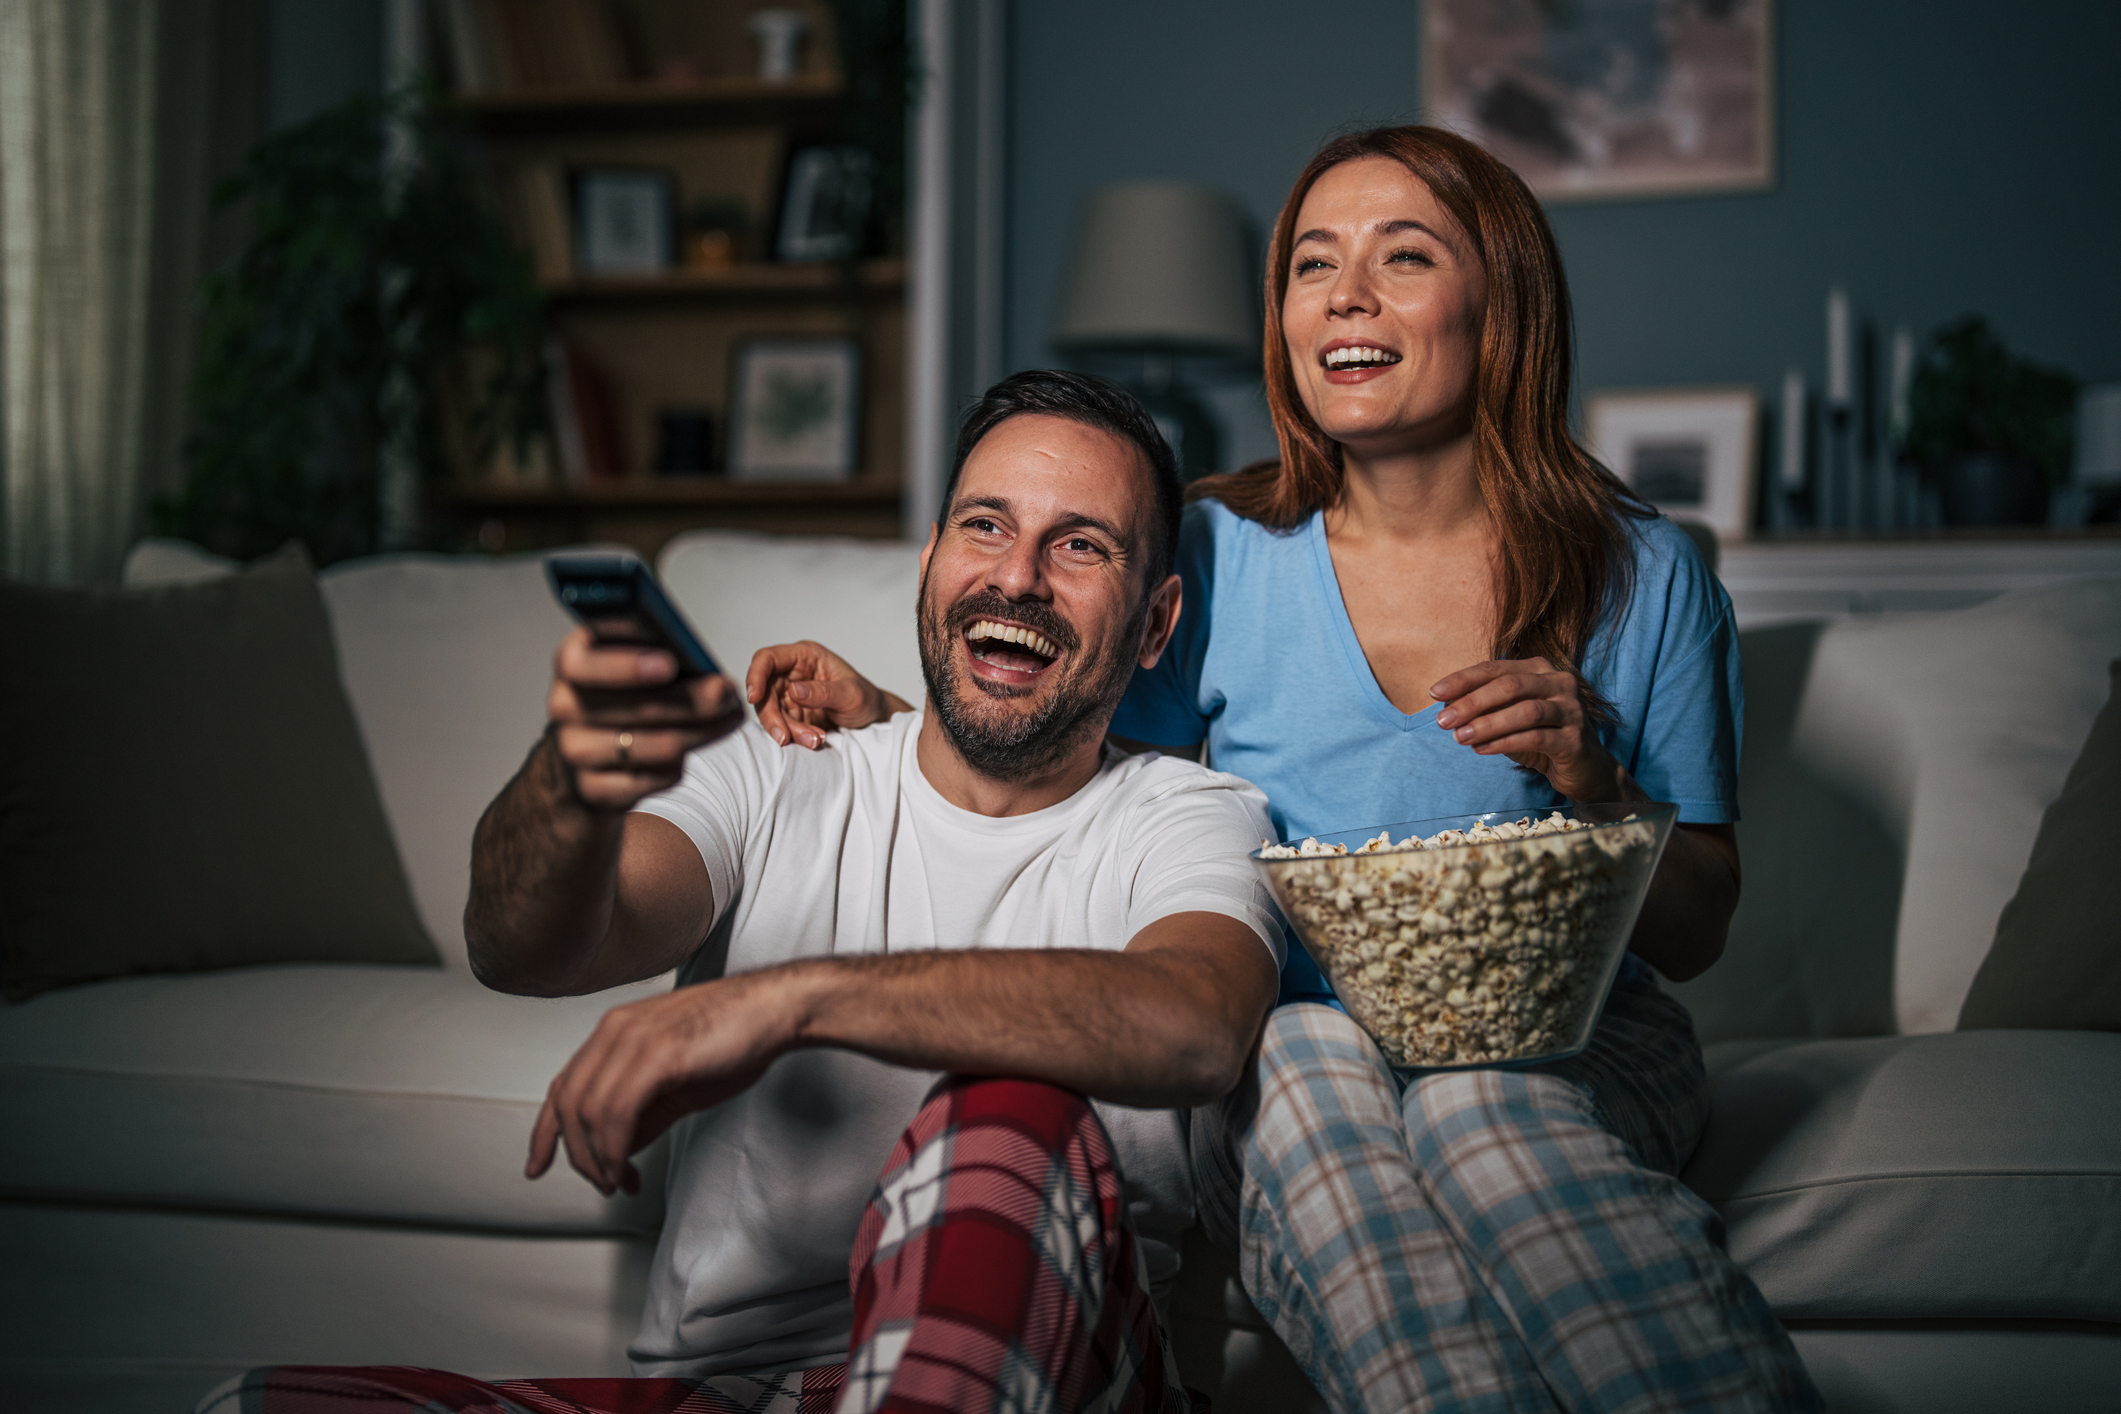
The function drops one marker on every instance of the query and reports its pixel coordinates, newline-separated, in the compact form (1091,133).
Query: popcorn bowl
(1482,940)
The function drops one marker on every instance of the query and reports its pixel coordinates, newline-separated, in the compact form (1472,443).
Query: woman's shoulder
(1208,520)
(1670,582)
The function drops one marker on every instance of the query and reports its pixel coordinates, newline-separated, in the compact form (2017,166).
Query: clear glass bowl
(1497,952)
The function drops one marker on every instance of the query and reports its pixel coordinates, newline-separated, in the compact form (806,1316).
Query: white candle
(1903,379)
(1837,348)
(1793,430)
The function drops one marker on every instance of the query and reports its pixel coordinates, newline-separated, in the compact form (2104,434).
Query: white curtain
(110,129)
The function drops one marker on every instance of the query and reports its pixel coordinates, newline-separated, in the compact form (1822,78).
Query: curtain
(114,116)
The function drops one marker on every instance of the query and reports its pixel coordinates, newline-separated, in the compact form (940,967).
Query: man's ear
(928,550)
(1161,620)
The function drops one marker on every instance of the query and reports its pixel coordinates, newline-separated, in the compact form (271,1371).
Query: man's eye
(982,526)
(1078,545)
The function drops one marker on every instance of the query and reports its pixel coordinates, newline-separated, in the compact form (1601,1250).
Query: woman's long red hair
(1559,515)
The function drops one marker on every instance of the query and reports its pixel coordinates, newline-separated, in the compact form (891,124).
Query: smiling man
(980,889)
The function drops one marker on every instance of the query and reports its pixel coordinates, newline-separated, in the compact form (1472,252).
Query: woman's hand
(803,690)
(1532,712)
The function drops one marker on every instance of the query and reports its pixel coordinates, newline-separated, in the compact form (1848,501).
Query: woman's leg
(1557,1186)
(1342,1250)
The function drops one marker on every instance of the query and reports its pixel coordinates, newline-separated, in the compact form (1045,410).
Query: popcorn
(1452,956)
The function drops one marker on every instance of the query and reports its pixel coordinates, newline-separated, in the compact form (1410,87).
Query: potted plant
(378,297)
(1989,430)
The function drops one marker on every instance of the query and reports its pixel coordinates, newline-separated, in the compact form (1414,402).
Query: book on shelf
(505,46)
(585,416)
(538,194)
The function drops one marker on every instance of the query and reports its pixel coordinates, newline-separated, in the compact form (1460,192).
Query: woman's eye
(1309,263)
(1409,256)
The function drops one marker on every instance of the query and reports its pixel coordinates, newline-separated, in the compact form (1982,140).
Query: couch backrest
(745,591)
(1894,776)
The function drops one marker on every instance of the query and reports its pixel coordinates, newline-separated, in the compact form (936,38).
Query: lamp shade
(1161,266)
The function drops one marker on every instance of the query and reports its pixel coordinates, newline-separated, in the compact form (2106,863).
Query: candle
(1837,348)
(1903,378)
(1793,430)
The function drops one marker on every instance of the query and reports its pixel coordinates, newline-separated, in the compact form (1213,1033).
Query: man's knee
(989,1116)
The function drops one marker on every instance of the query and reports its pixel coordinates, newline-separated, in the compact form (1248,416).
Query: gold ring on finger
(625,747)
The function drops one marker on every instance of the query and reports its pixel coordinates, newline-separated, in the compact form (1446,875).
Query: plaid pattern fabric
(389,1389)
(995,1270)
(1491,1240)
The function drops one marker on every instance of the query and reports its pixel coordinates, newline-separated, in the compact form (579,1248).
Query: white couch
(318,1164)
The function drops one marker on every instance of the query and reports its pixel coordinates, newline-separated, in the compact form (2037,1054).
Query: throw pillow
(183,786)
(2054,964)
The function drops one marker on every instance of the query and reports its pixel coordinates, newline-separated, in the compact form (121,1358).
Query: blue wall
(321,51)
(1934,157)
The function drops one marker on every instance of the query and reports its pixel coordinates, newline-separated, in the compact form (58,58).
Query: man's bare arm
(1170,1021)
(570,893)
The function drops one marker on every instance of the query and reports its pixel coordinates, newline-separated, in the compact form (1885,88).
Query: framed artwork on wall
(624,220)
(1621,98)
(794,410)
(1689,452)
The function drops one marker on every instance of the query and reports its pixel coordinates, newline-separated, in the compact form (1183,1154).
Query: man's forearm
(544,880)
(1148,1028)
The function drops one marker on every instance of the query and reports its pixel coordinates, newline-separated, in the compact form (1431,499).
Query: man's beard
(1020,748)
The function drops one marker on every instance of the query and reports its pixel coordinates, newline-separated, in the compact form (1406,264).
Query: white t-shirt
(849,851)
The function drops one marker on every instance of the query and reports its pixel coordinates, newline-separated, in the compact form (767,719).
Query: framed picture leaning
(794,410)
(1690,452)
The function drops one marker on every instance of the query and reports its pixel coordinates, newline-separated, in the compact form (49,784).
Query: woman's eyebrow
(1393,228)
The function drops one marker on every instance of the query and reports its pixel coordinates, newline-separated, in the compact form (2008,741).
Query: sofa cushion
(345,1091)
(744,592)
(2054,962)
(1973,1175)
(184,786)
(1894,777)
(447,660)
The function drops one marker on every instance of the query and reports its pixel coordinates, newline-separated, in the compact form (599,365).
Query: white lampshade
(1162,266)
(2099,436)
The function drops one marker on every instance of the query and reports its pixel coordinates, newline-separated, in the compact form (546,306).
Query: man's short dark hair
(1093,402)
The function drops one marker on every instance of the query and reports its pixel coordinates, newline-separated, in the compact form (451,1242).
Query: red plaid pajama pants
(994,1270)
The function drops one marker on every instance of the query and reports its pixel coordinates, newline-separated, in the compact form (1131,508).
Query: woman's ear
(1160,620)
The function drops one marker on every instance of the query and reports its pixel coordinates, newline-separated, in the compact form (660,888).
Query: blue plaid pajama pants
(1491,1240)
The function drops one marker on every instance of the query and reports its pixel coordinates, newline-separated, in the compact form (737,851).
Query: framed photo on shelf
(625,220)
(1689,452)
(1612,100)
(794,410)
(824,205)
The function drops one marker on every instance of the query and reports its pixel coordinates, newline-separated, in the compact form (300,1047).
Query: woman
(1492,1239)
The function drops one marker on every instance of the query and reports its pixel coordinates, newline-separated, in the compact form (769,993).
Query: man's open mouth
(1010,647)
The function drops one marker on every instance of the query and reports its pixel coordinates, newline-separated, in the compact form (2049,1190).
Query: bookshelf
(685,101)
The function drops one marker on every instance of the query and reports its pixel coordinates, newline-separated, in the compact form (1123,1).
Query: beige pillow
(2056,961)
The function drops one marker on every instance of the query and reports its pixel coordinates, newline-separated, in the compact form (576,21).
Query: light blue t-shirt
(1266,667)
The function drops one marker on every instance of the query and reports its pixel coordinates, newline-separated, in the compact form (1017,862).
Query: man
(979,889)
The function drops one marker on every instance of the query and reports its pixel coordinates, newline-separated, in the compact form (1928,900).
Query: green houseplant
(1989,429)
(377,295)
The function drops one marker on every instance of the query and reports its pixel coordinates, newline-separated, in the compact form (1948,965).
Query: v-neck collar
(1343,628)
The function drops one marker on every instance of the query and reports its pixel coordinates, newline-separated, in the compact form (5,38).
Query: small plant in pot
(1989,430)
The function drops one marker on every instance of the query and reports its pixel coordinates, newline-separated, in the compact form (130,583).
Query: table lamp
(1164,272)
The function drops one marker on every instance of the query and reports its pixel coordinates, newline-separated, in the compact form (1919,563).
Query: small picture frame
(625,220)
(1690,452)
(824,205)
(794,410)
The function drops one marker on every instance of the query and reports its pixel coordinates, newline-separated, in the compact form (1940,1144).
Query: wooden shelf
(873,277)
(662,491)
(645,512)
(802,99)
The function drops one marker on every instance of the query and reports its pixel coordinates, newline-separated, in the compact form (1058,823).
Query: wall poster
(1596,98)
